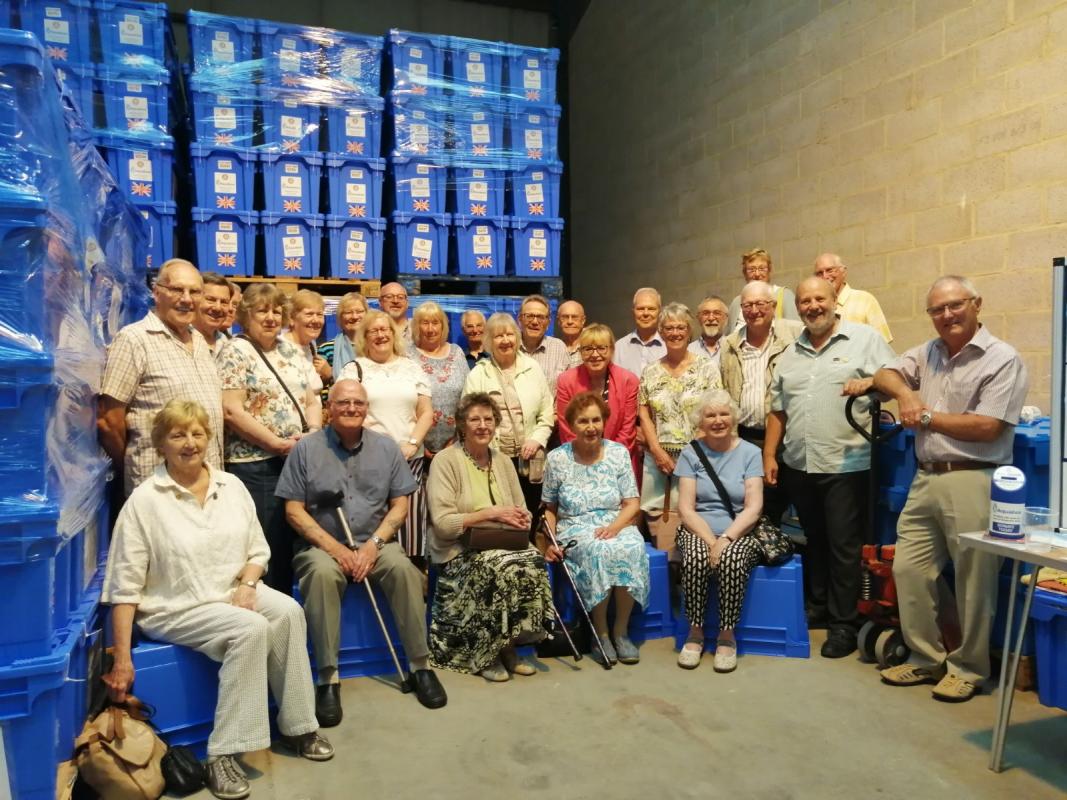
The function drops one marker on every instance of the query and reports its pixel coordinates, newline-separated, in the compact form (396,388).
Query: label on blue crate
(131,32)
(479,190)
(419,72)
(292,126)
(535,193)
(531,78)
(532,137)
(136,107)
(355,125)
(483,242)
(356,193)
(56,30)
(225,240)
(289,60)
(225,118)
(422,248)
(293,246)
(475,71)
(222,47)
(225,182)
(355,250)
(420,134)
(351,62)
(480,134)
(538,245)
(415,52)
(420,187)
(292,186)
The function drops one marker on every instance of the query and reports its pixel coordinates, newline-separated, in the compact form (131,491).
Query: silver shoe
(626,650)
(312,746)
(226,780)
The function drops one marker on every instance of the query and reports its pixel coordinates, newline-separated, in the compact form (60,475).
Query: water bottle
(1007,504)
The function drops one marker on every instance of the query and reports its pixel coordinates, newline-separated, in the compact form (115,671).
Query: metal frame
(1057,405)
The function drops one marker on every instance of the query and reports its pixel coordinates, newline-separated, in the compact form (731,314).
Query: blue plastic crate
(419,128)
(290,123)
(356,247)
(354,127)
(78,81)
(226,240)
(478,135)
(353,62)
(477,67)
(159,243)
(535,247)
(223,115)
(63,26)
(534,133)
(421,243)
(27,401)
(481,244)
(219,44)
(418,62)
(131,33)
(291,182)
(134,101)
(1049,615)
(479,191)
(420,185)
(1031,454)
(292,244)
(6,18)
(532,74)
(22,274)
(535,190)
(143,167)
(657,620)
(291,54)
(896,459)
(29,546)
(355,186)
(363,650)
(225,177)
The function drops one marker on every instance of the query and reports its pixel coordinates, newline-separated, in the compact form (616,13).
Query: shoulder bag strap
(274,372)
(714,478)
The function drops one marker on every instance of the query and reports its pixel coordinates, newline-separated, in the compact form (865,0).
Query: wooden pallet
(505,285)
(324,286)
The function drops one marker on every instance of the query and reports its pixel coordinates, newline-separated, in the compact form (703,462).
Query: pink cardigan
(621,426)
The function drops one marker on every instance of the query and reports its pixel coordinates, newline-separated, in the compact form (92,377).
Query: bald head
(757,290)
(570,319)
(347,388)
(176,265)
(393,299)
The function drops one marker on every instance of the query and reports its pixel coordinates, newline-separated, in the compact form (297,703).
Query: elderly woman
(342,349)
(186,556)
(270,399)
(591,492)
(520,391)
(445,367)
(670,393)
(616,386)
(486,602)
(307,317)
(398,394)
(714,537)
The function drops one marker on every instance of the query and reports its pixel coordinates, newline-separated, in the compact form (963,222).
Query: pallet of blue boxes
(474,158)
(295,105)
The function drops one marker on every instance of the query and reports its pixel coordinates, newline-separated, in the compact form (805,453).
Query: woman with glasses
(613,384)
(350,312)
(756,265)
(307,317)
(445,368)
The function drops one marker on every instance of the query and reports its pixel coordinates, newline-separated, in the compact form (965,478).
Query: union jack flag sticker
(223,138)
(356,268)
(537,208)
(357,211)
(289,80)
(136,124)
(225,201)
(537,265)
(422,265)
(477,91)
(421,205)
(227,260)
(484,262)
(533,154)
(355,148)
(57,53)
(293,206)
(481,150)
(292,264)
(141,189)
(416,89)
(292,146)
(478,209)
(421,149)
(533,94)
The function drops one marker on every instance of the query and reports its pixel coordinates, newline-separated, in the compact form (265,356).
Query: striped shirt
(856,305)
(552,357)
(753,391)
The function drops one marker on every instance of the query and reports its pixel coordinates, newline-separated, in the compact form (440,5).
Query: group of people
(262,460)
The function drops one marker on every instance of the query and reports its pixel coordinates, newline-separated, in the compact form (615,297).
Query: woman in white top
(185,561)
(445,367)
(398,394)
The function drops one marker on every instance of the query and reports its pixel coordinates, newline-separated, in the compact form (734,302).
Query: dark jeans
(833,513)
(775,500)
(261,478)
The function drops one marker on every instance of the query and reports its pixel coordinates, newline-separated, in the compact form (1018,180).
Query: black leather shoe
(840,643)
(328,705)
(428,689)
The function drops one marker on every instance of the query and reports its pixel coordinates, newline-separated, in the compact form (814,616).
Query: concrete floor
(776,728)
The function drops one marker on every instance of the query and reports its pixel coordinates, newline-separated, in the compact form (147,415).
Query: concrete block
(921,48)
(797,253)
(930,11)
(885,235)
(863,207)
(1008,211)
(766,203)
(843,50)
(948,74)
(1025,9)
(818,217)
(944,150)
(861,76)
(1026,331)
(1007,132)
(865,142)
(782,112)
(976,256)
(1035,249)
(980,21)
(846,242)
(816,159)
(869,271)
(979,178)
(1032,82)
(972,103)
(944,224)
(906,127)
(1056,204)
(898,301)
(1019,289)
(890,27)
(915,267)
(781,227)
(915,194)
(801,72)
(820,94)
(1012,47)
(1043,163)
(890,98)
(888,166)
(845,114)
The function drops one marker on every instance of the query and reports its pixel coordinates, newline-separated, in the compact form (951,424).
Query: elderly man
(961,393)
(712,315)
(473,324)
(548,351)
(213,313)
(644,345)
(363,474)
(151,362)
(825,462)
(570,319)
(853,305)
(756,266)
(393,300)
(747,363)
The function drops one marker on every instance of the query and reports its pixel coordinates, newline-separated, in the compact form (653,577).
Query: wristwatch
(249,584)
(379,542)
(926,418)
(413,440)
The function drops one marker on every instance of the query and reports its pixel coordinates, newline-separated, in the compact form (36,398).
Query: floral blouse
(242,368)
(672,401)
(446,377)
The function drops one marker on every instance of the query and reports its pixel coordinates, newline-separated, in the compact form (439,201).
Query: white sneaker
(690,654)
(725,657)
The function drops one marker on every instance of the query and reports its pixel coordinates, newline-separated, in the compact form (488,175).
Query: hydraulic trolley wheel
(890,648)
(866,640)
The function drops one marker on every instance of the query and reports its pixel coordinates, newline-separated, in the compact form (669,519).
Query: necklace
(474,461)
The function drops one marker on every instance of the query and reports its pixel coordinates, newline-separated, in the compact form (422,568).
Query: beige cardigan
(448,493)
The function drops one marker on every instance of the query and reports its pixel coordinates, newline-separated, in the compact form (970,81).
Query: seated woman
(185,562)
(487,601)
(591,493)
(714,539)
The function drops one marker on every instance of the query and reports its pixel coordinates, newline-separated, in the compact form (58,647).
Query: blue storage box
(291,182)
(353,62)
(535,247)
(135,101)
(479,191)
(421,243)
(6,17)
(355,186)
(226,240)
(481,244)
(225,177)
(657,620)
(78,81)
(290,123)
(420,185)
(478,135)
(896,459)
(772,617)
(27,401)
(1030,453)
(477,67)
(363,648)
(29,546)
(222,115)
(532,73)
(354,127)
(419,127)
(1049,614)
(63,27)
(22,269)
(292,244)
(356,247)
(159,242)
(131,33)
(221,44)
(535,190)
(418,61)
(534,133)
(291,54)
(143,167)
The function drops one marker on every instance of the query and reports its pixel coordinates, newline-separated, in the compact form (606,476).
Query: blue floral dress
(588,497)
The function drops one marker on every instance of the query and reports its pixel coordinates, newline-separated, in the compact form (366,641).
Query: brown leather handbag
(499,537)
(119,755)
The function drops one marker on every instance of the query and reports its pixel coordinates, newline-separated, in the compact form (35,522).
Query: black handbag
(182,771)
(775,547)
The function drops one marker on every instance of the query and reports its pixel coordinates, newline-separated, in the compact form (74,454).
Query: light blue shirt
(633,354)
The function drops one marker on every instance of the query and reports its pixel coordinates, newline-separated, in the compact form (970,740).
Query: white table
(1019,554)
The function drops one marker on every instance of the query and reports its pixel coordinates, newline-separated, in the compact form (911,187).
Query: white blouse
(393,392)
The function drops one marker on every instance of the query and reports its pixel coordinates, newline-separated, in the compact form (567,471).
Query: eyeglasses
(755,305)
(196,294)
(391,297)
(378,331)
(535,317)
(955,307)
(717,314)
(349,403)
(752,268)
(824,271)
(589,349)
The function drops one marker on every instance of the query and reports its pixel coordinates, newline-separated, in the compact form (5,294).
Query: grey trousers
(323,585)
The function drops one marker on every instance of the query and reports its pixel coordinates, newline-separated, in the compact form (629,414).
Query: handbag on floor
(119,755)
(182,771)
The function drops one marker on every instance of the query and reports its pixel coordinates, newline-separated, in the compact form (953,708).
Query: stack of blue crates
(474,153)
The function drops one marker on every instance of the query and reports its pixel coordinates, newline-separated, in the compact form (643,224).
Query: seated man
(366,474)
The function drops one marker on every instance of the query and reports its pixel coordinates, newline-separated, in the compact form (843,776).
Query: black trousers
(775,500)
(261,478)
(833,513)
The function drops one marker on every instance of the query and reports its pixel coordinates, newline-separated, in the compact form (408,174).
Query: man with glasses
(549,352)
(213,312)
(570,319)
(393,300)
(644,345)
(853,305)
(756,266)
(712,315)
(473,324)
(151,362)
(961,393)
